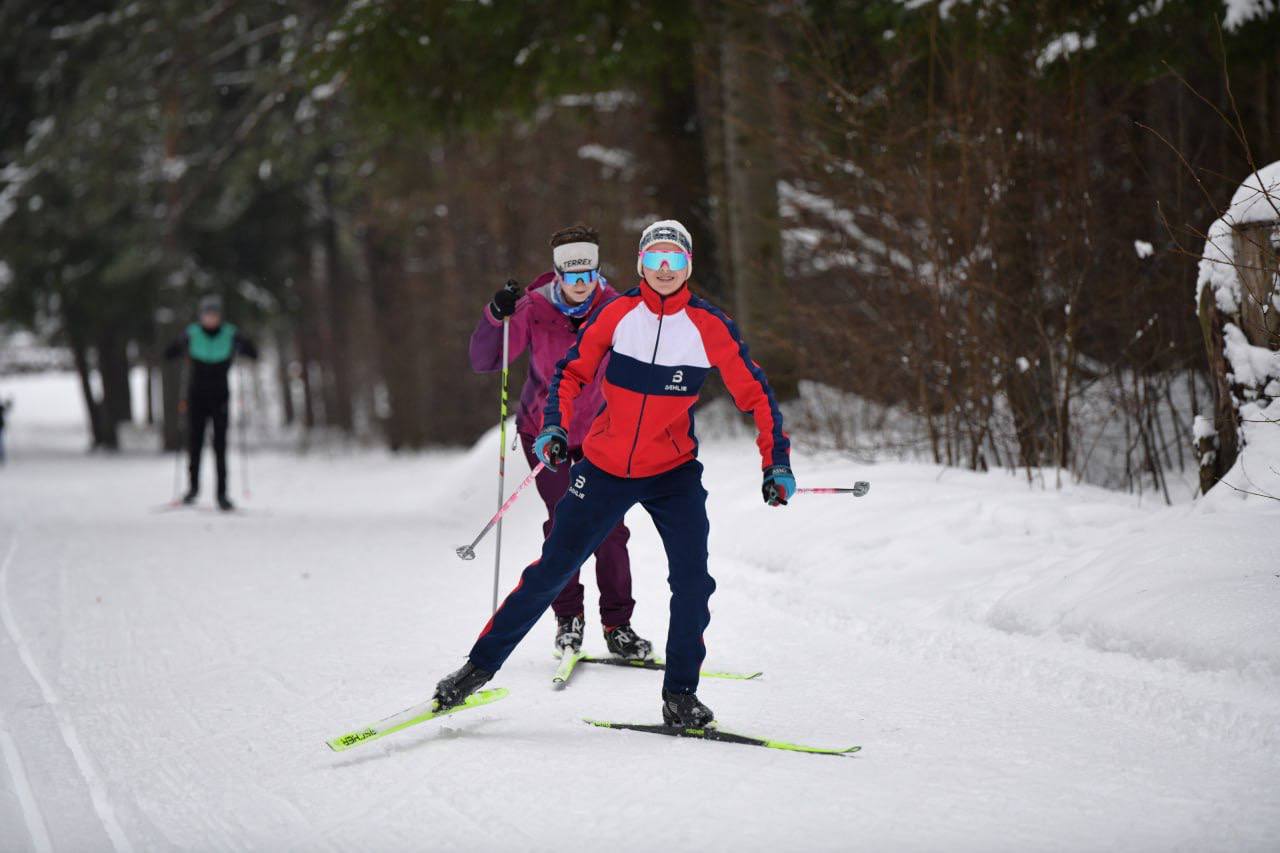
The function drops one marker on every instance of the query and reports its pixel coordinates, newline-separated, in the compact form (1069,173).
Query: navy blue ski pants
(593,506)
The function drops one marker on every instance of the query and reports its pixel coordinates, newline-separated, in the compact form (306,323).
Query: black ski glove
(504,301)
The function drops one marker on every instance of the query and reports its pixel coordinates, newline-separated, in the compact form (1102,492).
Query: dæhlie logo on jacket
(578,485)
(677,383)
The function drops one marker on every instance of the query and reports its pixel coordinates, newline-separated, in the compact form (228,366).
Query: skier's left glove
(503,304)
(779,485)
(551,446)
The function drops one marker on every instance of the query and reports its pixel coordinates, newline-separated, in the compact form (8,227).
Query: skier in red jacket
(661,342)
(546,320)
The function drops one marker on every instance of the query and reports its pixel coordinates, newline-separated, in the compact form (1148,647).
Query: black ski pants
(199,412)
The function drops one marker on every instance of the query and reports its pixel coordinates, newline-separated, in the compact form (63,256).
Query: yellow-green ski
(565,669)
(411,717)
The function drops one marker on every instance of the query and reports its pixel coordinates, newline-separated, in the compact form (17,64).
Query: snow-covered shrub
(1238,296)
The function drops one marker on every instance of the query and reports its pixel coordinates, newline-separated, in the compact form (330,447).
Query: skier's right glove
(779,484)
(504,301)
(551,446)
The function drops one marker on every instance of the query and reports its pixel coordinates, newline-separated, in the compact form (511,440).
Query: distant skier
(211,346)
(661,342)
(546,321)
(5,405)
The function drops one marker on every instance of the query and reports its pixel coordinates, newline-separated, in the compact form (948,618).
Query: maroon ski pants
(613,563)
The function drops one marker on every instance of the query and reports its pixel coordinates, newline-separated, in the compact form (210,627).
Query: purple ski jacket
(539,326)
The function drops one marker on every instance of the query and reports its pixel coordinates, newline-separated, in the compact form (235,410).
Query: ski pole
(859,489)
(177,462)
(468,552)
(513,286)
(184,433)
(244,447)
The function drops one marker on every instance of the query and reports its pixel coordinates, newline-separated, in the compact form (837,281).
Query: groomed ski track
(169,680)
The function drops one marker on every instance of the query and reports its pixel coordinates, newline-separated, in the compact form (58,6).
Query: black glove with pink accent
(551,446)
(779,485)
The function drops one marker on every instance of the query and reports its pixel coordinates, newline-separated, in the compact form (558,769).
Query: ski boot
(683,710)
(190,497)
(569,633)
(625,643)
(225,504)
(454,688)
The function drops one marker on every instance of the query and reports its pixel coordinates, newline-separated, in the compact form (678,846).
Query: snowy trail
(70,737)
(1025,669)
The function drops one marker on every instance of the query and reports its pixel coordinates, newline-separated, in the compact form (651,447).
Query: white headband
(576,257)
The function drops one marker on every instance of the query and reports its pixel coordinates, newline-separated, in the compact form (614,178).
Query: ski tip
(345,742)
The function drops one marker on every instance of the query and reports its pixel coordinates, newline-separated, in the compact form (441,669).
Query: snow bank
(1255,477)
(1196,589)
(1194,586)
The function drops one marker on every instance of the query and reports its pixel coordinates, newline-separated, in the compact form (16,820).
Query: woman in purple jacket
(546,320)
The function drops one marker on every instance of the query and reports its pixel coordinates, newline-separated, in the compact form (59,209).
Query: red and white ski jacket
(662,350)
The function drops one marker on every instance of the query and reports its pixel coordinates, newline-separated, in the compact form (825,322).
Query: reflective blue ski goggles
(584,277)
(655,260)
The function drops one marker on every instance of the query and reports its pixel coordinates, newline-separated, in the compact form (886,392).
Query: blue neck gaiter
(567,308)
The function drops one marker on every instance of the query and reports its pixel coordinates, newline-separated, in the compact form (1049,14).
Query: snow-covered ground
(1024,669)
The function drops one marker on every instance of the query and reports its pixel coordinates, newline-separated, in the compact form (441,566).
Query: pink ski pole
(468,552)
(859,489)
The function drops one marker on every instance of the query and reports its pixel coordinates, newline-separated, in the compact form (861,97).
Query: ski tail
(714,733)
(411,717)
(567,664)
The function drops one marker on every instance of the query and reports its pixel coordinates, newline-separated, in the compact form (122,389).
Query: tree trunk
(399,353)
(172,390)
(113,366)
(283,377)
(338,405)
(151,392)
(172,377)
(709,89)
(102,429)
(309,419)
(751,212)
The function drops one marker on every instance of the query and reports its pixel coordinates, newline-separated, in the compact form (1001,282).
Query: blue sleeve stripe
(781,444)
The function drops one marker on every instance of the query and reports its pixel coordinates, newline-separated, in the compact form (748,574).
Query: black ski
(717,734)
(660,664)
